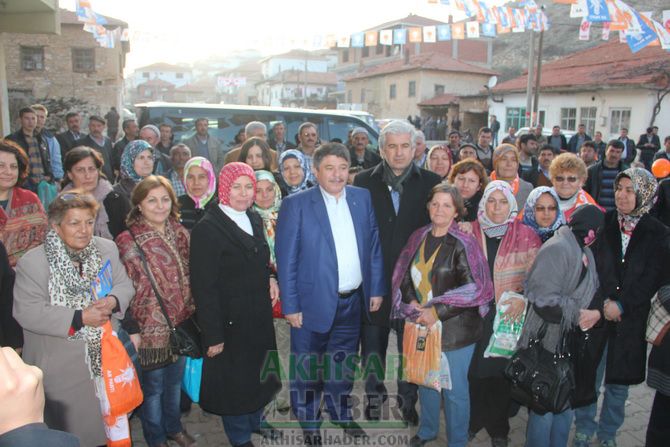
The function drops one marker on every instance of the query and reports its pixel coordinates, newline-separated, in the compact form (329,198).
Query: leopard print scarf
(67,288)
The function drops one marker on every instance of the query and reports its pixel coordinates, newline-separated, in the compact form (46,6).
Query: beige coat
(71,403)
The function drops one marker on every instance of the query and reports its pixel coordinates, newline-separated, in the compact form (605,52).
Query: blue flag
(400,36)
(358,40)
(597,11)
(443,32)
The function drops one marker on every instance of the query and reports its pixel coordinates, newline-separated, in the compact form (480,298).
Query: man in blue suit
(330,271)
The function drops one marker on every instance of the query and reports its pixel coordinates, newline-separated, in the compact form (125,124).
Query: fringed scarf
(476,294)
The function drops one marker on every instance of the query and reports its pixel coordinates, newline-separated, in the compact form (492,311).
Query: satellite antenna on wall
(493,81)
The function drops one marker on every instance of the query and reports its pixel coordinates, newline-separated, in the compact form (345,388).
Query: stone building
(65,71)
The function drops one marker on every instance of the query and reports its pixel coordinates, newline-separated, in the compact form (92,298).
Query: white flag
(386,37)
(584,30)
(606,31)
(579,9)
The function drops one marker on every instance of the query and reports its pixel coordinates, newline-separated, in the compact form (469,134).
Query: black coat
(105,150)
(631,281)
(189,214)
(594,179)
(67,141)
(117,204)
(395,230)
(11,333)
(370,159)
(38,434)
(661,210)
(230,276)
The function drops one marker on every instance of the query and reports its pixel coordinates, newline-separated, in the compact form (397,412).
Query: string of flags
(637,29)
(95,24)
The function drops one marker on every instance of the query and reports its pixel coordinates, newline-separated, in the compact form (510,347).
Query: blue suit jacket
(306,258)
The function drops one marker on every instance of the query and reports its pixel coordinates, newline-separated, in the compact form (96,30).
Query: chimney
(406,56)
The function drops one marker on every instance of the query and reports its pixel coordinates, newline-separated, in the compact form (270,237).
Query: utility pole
(304,88)
(529,83)
(536,101)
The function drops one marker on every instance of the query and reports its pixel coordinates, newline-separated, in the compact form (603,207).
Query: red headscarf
(228,175)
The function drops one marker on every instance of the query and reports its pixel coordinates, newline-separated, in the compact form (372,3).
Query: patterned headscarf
(270,214)
(201,162)
(491,228)
(645,187)
(294,153)
(529,213)
(228,175)
(130,153)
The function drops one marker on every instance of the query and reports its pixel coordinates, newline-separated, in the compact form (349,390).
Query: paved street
(208,430)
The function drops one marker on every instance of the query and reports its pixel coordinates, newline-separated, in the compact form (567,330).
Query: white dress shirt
(346,247)
(239,217)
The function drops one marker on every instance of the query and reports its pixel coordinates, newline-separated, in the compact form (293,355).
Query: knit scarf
(396,181)
(68,288)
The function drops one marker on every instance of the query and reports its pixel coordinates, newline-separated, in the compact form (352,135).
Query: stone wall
(98,90)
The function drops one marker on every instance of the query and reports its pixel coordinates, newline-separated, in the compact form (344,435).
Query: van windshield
(225,124)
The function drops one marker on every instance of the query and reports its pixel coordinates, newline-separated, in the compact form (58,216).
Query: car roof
(157,104)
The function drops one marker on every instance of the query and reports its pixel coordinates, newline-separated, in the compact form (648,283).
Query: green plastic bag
(505,334)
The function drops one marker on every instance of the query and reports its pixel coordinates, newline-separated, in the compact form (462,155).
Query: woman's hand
(108,303)
(274,291)
(515,308)
(215,350)
(611,310)
(465,227)
(427,317)
(95,315)
(136,340)
(588,318)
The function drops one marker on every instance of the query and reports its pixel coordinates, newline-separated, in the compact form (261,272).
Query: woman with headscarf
(542,212)
(294,172)
(439,160)
(267,203)
(234,291)
(137,162)
(506,168)
(560,292)
(200,183)
(510,247)
(632,263)
(442,274)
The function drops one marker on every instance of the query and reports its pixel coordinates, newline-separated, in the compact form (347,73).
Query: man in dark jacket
(399,191)
(359,152)
(665,152)
(578,139)
(539,176)
(35,147)
(629,150)
(98,141)
(661,209)
(648,143)
(600,181)
(73,133)
(557,140)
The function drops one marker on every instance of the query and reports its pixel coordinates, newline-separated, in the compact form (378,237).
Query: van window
(340,127)
(294,120)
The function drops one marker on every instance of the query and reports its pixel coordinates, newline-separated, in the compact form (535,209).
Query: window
(180,75)
(32,58)
(587,116)
(392,91)
(439,89)
(365,52)
(569,119)
(145,75)
(345,56)
(83,60)
(542,114)
(412,89)
(515,117)
(362,95)
(619,118)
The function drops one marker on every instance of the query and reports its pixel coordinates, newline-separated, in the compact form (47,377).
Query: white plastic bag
(505,334)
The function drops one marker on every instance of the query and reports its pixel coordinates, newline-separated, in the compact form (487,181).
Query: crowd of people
(316,252)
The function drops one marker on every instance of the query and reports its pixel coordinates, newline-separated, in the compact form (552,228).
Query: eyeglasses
(560,179)
(68,196)
(542,209)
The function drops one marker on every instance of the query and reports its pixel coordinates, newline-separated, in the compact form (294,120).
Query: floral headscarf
(645,187)
(201,162)
(529,213)
(294,153)
(130,153)
(270,214)
(228,175)
(491,228)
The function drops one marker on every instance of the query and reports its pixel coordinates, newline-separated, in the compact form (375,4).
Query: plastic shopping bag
(422,351)
(505,334)
(190,383)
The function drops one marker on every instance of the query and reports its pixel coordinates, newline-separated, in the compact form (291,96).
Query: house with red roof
(606,87)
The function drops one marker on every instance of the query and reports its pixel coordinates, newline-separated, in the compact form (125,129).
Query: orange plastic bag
(121,388)
(422,352)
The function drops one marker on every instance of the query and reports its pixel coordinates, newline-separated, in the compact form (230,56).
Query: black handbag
(186,337)
(542,380)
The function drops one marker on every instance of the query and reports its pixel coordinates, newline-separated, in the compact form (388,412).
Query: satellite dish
(493,80)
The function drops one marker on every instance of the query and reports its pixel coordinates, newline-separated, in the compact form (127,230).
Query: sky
(177,31)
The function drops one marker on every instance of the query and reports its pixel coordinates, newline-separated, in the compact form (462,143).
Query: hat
(358,130)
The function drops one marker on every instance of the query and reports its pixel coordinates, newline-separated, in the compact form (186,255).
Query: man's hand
(21,392)
(375,303)
(295,320)
(215,350)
